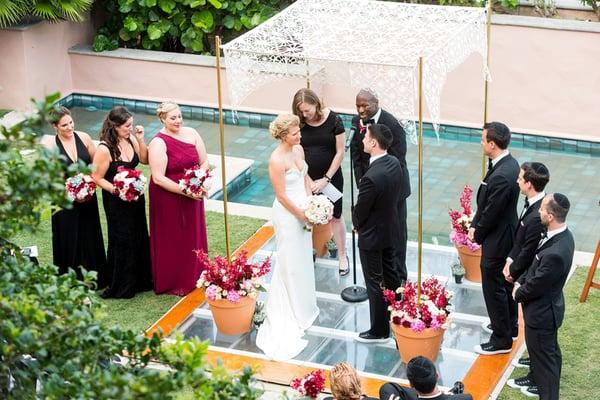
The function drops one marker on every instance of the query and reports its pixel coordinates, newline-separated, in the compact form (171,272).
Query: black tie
(369,121)
(490,165)
(525,207)
(526,203)
(543,239)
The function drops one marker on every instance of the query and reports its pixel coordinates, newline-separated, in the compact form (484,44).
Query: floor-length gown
(76,233)
(128,243)
(177,225)
(291,305)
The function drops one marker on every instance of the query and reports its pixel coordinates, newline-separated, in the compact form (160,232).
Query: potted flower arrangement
(458,271)
(419,323)
(468,251)
(310,385)
(231,288)
(333,250)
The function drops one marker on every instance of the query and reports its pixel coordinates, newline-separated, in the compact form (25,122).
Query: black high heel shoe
(344,272)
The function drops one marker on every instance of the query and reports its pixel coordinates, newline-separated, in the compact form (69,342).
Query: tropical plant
(457,269)
(595,4)
(178,25)
(52,344)
(13,11)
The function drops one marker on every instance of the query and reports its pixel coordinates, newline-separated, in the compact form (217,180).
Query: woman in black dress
(76,233)
(323,137)
(128,244)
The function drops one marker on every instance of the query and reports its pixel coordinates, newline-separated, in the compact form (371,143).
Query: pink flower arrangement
(80,188)
(431,312)
(196,181)
(129,184)
(461,222)
(310,384)
(231,280)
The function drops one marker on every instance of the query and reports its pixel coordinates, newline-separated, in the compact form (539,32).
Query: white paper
(332,193)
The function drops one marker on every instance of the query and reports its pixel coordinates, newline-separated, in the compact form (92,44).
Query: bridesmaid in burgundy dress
(177,221)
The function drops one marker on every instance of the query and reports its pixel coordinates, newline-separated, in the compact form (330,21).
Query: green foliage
(53,344)
(180,25)
(457,269)
(13,11)
(595,4)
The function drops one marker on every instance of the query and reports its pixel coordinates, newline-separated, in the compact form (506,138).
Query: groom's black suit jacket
(375,215)
(527,237)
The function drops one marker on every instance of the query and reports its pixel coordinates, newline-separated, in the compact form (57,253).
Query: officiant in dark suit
(493,228)
(369,112)
(375,219)
(540,293)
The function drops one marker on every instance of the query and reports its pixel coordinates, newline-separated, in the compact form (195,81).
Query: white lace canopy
(359,43)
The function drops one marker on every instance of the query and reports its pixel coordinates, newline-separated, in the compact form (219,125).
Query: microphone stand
(354,293)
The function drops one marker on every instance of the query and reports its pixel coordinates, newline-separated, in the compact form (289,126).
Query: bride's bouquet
(318,209)
(196,181)
(129,184)
(80,188)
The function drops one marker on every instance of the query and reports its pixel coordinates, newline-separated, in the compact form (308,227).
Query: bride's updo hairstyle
(280,127)
(165,108)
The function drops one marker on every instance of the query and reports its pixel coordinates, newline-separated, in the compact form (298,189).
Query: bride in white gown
(291,305)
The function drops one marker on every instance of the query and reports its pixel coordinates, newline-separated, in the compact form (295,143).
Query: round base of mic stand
(354,294)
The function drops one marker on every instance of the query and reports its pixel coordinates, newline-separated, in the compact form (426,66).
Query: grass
(579,339)
(145,308)
(3,112)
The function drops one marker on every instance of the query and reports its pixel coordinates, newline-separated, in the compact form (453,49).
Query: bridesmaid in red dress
(177,221)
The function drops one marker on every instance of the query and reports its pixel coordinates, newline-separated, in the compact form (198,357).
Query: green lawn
(579,339)
(143,310)
(2,112)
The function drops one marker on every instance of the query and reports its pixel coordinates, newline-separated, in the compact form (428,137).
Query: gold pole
(307,75)
(222,137)
(485,82)
(420,199)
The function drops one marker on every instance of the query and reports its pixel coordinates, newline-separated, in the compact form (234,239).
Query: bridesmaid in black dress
(323,139)
(128,243)
(76,233)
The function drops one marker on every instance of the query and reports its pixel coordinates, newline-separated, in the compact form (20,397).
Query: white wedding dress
(291,305)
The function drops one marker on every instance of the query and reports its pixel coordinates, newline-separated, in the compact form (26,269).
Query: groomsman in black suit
(375,219)
(539,290)
(369,112)
(493,227)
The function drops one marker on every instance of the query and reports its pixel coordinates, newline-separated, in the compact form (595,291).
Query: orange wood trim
(589,281)
(184,307)
(486,371)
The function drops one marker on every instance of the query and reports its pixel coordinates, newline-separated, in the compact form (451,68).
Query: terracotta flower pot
(320,236)
(411,344)
(233,318)
(471,261)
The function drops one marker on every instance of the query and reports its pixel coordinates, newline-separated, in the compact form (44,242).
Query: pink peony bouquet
(431,312)
(318,209)
(129,184)
(80,188)
(196,181)
(461,221)
(231,280)
(310,385)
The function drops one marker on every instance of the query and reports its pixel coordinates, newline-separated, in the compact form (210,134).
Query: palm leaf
(73,10)
(11,12)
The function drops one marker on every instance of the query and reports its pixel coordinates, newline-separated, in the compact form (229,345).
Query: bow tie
(526,202)
(544,235)
(490,165)
(368,122)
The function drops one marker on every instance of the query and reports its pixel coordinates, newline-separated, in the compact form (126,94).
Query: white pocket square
(483,183)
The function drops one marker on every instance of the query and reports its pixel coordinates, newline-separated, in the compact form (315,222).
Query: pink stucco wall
(35,61)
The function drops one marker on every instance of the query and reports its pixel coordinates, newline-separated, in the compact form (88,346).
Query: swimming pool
(450,163)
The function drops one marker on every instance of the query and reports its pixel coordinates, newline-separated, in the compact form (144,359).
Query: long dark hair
(115,118)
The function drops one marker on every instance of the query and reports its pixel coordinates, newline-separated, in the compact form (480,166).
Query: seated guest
(423,377)
(345,384)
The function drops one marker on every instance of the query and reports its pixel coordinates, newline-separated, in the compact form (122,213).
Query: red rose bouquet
(129,184)
(310,384)
(231,280)
(80,188)
(196,181)
(431,312)
(461,221)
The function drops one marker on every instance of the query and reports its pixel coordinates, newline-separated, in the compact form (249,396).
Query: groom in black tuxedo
(369,112)
(375,219)
(540,293)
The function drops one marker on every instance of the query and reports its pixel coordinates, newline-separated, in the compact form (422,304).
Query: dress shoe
(519,383)
(490,349)
(368,337)
(522,362)
(531,391)
(487,327)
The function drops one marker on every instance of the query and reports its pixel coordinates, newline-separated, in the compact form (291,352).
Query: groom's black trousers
(380,272)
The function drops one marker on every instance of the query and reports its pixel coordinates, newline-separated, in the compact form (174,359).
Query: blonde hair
(344,382)
(164,108)
(307,96)
(279,128)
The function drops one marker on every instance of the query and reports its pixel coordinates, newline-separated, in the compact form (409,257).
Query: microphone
(349,138)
